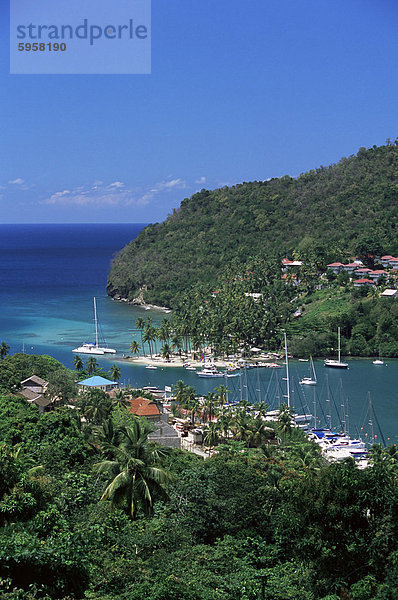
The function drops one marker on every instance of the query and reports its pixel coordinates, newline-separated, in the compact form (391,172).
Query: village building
(385,260)
(336,267)
(97,383)
(350,267)
(364,272)
(394,263)
(287,264)
(363,283)
(33,390)
(375,275)
(389,293)
(142,407)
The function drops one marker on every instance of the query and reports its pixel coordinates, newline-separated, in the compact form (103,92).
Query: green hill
(330,210)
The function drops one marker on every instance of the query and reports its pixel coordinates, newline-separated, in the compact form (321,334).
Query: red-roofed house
(335,267)
(385,260)
(394,263)
(363,282)
(375,275)
(142,407)
(286,263)
(350,267)
(362,272)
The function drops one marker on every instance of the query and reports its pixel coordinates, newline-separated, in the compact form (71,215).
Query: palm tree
(77,361)
(224,422)
(149,336)
(96,406)
(209,409)
(91,365)
(211,435)
(179,391)
(284,421)
(165,351)
(4,348)
(115,372)
(222,393)
(134,347)
(120,399)
(140,324)
(176,343)
(135,477)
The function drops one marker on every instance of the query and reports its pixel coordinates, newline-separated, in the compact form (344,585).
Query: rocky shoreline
(138,301)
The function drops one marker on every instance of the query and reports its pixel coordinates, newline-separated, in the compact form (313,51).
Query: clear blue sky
(239,90)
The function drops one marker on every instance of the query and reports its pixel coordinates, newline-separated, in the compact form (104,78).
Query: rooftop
(142,407)
(95,381)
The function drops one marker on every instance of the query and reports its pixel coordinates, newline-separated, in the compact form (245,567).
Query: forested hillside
(331,209)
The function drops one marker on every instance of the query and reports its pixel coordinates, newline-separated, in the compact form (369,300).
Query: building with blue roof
(98,383)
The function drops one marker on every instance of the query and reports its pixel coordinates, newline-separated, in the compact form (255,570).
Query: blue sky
(239,91)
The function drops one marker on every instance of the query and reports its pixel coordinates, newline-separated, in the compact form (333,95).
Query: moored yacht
(91,348)
(337,364)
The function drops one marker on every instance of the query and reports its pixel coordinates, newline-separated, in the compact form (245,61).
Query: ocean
(49,275)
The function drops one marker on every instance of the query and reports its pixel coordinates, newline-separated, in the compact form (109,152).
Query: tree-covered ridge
(334,207)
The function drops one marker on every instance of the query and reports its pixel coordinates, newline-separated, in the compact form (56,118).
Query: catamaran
(337,364)
(94,348)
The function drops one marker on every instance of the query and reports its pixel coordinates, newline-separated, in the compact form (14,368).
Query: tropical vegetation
(91,509)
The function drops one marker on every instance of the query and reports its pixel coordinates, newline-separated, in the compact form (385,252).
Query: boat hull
(335,364)
(87,350)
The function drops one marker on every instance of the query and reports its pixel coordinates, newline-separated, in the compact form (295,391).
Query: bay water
(49,275)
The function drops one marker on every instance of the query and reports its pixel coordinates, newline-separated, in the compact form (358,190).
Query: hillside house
(288,264)
(364,272)
(363,283)
(385,260)
(375,275)
(336,267)
(350,267)
(97,383)
(142,407)
(33,390)
(394,263)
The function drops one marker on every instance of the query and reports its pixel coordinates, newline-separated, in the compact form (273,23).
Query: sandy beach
(158,361)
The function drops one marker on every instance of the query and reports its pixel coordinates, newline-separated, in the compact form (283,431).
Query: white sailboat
(337,364)
(378,361)
(311,380)
(91,348)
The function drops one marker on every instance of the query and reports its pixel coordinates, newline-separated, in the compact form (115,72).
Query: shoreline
(176,362)
(143,305)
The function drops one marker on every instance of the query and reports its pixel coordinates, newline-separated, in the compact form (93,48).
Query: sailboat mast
(287,373)
(338,333)
(96,324)
(329,415)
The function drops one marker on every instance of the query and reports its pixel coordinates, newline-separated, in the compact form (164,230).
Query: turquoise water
(49,275)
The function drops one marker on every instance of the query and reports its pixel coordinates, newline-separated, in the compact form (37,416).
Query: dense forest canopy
(331,208)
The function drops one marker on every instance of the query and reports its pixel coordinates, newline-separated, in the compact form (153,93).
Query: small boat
(311,380)
(210,371)
(336,364)
(91,348)
(151,367)
(378,361)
